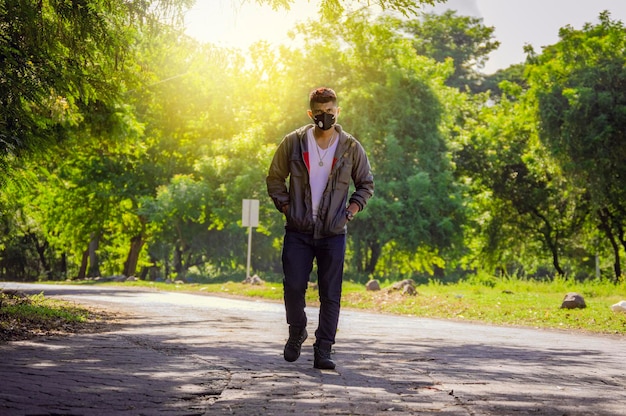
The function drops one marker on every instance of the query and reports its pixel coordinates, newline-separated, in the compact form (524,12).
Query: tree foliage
(137,144)
(62,60)
(578,85)
(332,9)
(463,39)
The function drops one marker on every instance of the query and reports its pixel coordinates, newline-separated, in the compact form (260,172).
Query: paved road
(183,354)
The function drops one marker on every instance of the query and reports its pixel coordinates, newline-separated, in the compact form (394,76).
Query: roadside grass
(532,305)
(23,317)
(502,301)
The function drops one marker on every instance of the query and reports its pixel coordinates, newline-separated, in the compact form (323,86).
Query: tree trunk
(551,242)
(606,227)
(375,252)
(152,271)
(438,272)
(82,271)
(41,252)
(136,244)
(554,249)
(178,260)
(64,266)
(130,265)
(94,266)
(620,235)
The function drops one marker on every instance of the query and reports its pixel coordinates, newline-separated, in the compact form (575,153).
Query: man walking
(319,161)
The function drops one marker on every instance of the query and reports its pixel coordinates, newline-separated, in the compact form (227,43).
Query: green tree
(121,110)
(512,74)
(463,39)
(61,60)
(80,193)
(392,100)
(525,212)
(24,248)
(578,84)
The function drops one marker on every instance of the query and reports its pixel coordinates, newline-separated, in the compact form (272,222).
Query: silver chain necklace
(317,147)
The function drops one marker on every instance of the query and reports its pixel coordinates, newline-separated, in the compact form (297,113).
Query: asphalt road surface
(186,354)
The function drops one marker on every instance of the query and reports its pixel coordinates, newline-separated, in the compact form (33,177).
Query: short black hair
(322,95)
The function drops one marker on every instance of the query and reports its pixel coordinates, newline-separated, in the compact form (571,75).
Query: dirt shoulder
(32,321)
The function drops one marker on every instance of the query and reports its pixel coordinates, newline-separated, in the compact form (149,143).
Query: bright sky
(536,22)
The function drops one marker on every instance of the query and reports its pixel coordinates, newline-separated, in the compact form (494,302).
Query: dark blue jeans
(299,251)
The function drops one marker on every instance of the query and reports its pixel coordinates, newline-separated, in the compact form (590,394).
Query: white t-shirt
(321,163)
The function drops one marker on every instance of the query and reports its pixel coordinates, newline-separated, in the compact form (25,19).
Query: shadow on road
(188,360)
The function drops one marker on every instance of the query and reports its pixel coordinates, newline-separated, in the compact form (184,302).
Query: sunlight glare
(233,24)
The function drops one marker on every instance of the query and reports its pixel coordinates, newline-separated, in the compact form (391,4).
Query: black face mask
(324,121)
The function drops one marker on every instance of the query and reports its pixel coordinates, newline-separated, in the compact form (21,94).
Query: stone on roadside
(573,300)
(372,285)
(253,280)
(114,278)
(406,286)
(409,290)
(619,306)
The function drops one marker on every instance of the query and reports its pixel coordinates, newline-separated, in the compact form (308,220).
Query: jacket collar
(302,132)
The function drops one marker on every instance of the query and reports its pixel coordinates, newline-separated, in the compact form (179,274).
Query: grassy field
(509,302)
(514,302)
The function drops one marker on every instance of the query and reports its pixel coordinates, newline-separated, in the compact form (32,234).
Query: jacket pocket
(298,185)
(343,175)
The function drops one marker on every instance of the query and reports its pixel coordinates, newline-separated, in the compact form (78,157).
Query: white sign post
(250,218)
